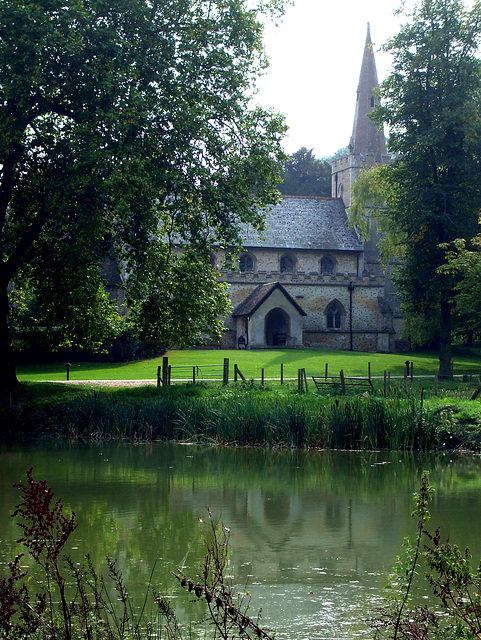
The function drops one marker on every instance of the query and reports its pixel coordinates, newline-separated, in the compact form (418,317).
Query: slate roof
(304,222)
(257,297)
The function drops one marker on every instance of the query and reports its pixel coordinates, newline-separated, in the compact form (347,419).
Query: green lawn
(251,362)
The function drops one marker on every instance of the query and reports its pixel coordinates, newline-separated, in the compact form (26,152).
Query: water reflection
(313,532)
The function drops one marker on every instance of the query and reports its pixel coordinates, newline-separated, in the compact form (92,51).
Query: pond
(313,533)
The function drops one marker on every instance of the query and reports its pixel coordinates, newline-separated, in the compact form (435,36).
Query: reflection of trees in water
(171,466)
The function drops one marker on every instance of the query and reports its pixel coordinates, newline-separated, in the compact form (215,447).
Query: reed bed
(248,417)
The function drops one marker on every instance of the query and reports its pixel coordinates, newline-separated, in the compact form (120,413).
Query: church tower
(367,146)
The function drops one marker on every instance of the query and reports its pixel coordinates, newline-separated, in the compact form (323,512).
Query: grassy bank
(466,361)
(418,417)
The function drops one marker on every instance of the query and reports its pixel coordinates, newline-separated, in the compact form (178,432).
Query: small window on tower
(372,101)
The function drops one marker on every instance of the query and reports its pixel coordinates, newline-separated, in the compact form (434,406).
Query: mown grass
(245,414)
(466,361)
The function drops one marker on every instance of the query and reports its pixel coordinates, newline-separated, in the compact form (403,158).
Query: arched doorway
(277,328)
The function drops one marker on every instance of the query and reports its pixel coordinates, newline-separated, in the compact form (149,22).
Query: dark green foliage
(305,175)
(126,130)
(465,266)
(240,415)
(431,193)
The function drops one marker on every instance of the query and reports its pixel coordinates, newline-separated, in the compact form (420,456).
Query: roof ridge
(311,197)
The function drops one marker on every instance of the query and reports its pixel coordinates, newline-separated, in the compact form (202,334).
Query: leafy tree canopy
(465,266)
(126,128)
(305,175)
(430,193)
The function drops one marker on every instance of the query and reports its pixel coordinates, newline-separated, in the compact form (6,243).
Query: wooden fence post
(262,377)
(193,374)
(225,377)
(282,373)
(159,379)
(165,371)
(369,371)
(238,374)
(343,382)
(326,371)
(299,381)
(412,371)
(305,379)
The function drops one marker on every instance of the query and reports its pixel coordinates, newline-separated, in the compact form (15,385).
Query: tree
(431,192)
(305,175)
(342,152)
(126,129)
(465,265)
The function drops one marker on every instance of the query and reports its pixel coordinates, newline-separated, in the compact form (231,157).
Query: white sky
(315,56)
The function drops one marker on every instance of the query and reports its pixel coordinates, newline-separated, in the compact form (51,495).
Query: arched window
(335,315)
(246,263)
(327,266)
(287,264)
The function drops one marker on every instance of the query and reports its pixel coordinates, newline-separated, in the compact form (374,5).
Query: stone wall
(307,264)
(346,170)
(361,341)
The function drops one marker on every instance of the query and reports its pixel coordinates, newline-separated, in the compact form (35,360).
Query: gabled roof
(305,222)
(259,295)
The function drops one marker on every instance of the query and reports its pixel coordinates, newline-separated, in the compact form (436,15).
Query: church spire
(367,146)
(366,139)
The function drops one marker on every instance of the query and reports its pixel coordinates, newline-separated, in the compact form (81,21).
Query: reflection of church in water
(282,530)
(309,280)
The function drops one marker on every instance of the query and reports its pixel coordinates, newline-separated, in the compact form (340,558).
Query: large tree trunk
(445,341)
(8,376)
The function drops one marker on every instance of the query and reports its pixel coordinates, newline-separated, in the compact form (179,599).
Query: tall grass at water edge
(238,417)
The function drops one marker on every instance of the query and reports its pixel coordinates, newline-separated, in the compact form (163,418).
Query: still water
(313,533)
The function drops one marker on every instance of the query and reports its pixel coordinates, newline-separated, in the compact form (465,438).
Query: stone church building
(309,280)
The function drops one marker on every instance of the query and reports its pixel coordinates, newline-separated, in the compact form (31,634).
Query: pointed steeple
(366,139)
(367,146)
